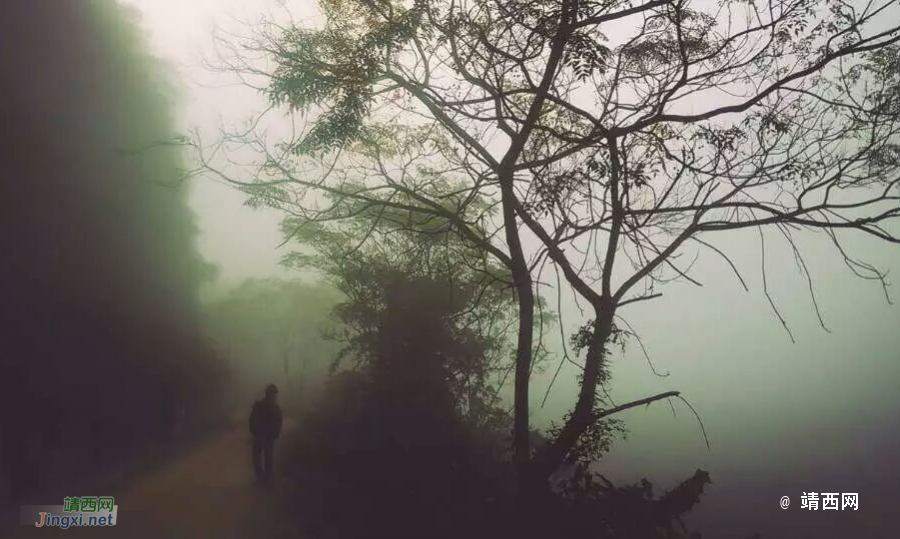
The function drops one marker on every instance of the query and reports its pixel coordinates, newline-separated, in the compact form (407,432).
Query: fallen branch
(633,404)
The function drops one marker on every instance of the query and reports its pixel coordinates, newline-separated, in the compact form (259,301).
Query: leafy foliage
(421,305)
(586,54)
(338,66)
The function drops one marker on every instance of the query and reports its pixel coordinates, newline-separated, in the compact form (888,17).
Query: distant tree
(413,402)
(272,330)
(425,312)
(619,135)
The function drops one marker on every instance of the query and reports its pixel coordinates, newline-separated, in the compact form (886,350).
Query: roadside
(207,492)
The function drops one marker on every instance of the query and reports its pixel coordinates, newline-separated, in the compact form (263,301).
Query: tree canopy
(617,136)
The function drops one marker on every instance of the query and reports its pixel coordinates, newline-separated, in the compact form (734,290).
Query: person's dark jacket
(265,419)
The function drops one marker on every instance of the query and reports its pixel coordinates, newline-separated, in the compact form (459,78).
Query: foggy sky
(818,415)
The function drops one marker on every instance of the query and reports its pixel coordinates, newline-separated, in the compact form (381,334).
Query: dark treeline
(100,353)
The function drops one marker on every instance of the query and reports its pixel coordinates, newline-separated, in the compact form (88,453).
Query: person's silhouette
(265,425)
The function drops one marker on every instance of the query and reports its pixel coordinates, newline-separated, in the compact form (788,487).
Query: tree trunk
(556,452)
(525,295)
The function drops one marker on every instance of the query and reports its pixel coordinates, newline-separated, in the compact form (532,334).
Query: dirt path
(207,493)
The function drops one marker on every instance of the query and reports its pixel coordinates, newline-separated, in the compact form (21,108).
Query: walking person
(265,425)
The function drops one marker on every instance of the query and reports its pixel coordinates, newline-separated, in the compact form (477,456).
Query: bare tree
(619,135)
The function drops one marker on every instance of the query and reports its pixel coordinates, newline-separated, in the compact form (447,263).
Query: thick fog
(784,410)
(818,414)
